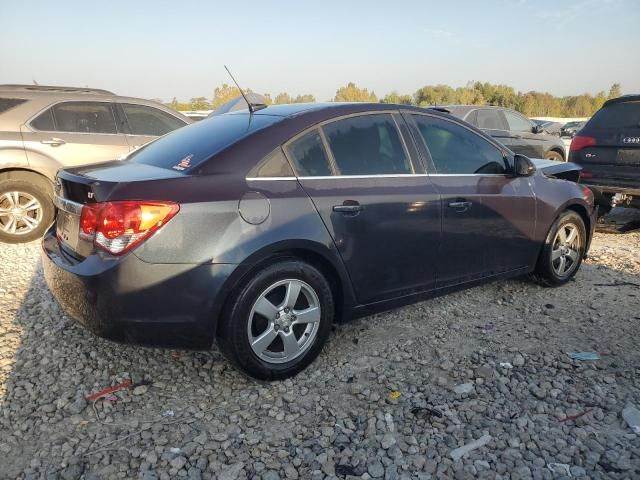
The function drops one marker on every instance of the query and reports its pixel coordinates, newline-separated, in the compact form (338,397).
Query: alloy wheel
(565,252)
(284,321)
(20,213)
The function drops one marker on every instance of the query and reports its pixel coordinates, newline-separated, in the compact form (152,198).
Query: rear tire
(26,208)
(563,250)
(553,155)
(278,321)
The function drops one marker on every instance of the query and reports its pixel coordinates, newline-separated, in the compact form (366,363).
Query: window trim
(486,138)
(126,119)
(53,115)
(331,158)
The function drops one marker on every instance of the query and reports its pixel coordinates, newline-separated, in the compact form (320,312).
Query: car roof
(622,99)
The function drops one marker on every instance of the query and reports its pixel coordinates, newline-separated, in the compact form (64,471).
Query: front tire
(278,320)
(26,208)
(563,250)
(553,155)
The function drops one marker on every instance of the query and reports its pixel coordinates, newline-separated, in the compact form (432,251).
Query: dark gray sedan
(261,230)
(512,129)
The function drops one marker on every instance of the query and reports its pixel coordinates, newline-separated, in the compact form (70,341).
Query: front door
(488,216)
(522,139)
(383,216)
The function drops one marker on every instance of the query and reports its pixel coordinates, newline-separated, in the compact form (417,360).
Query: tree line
(531,104)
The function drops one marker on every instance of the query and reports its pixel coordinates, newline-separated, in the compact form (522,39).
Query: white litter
(506,365)
(460,452)
(631,415)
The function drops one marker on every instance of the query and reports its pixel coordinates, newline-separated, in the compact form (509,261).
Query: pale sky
(162,49)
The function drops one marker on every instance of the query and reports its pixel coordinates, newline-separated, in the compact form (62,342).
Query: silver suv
(46,128)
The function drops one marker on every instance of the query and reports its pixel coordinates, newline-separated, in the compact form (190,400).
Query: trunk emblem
(631,140)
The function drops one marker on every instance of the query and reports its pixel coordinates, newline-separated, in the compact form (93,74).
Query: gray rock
(463,388)
(375,469)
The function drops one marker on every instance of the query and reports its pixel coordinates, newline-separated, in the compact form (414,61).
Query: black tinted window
(518,123)
(8,103)
(273,165)
(145,120)
(84,117)
(456,150)
(489,119)
(617,115)
(188,147)
(44,121)
(308,155)
(367,145)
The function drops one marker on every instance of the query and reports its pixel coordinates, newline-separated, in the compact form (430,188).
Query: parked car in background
(550,127)
(196,115)
(608,149)
(261,230)
(512,129)
(569,129)
(45,128)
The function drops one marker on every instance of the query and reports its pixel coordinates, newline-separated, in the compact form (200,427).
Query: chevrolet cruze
(258,230)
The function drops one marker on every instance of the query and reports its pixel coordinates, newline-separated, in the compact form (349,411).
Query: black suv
(512,129)
(608,149)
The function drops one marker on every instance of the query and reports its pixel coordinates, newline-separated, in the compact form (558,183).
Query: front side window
(150,121)
(489,119)
(457,150)
(518,123)
(367,145)
(308,155)
(84,117)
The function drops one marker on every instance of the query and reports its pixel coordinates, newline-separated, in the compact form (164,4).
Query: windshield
(190,146)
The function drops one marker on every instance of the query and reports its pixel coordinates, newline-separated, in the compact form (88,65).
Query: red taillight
(579,142)
(586,174)
(587,195)
(117,227)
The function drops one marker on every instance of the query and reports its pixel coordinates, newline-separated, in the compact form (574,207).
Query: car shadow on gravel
(385,394)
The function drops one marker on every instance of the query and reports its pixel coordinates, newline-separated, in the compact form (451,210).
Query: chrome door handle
(54,142)
(460,206)
(349,207)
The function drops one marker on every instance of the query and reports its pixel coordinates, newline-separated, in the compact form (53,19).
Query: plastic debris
(428,410)
(174,450)
(394,395)
(573,417)
(457,453)
(559,468)
(109,391)
(506,365)
(463,388)
(631,415)
(168,413)
(584,356)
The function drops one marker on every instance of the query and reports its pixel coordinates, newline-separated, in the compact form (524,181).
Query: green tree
(282,98)
(396,98)
(615,91)
(223,94)
(352,93)
(306,98)
(199,103)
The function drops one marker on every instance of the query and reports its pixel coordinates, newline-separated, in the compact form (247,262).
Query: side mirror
(522,166)
(537,129)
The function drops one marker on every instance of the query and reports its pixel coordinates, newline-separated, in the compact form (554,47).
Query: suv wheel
(26,209)
(553,155)
(278,321)
(563,250)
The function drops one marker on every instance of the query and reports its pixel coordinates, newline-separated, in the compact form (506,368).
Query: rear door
(488,216)
(378,205)
(143,123)
(75,133)
(613,158)
(521,137)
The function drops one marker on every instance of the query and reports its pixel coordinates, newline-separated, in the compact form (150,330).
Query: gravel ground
(391,396)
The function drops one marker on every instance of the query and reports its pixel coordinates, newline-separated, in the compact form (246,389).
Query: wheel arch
(27,174)
(325,259)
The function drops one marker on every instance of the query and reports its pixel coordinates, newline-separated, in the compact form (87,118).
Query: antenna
(253,107)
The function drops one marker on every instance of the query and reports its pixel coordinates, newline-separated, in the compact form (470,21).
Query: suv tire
(26,207)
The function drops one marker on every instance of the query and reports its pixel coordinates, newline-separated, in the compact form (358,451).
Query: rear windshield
(617,115)
(8,103)
(189,146)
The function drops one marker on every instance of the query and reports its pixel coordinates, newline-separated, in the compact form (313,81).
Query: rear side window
(617,115)
(457,150)
(84,117)
(44,121)
(490,119)
(190,146)
(150,121)
(7,104)
(308,155)
(273,165)
(367,145)
(517,123)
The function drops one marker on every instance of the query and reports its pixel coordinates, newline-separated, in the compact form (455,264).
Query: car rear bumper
(128,300)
